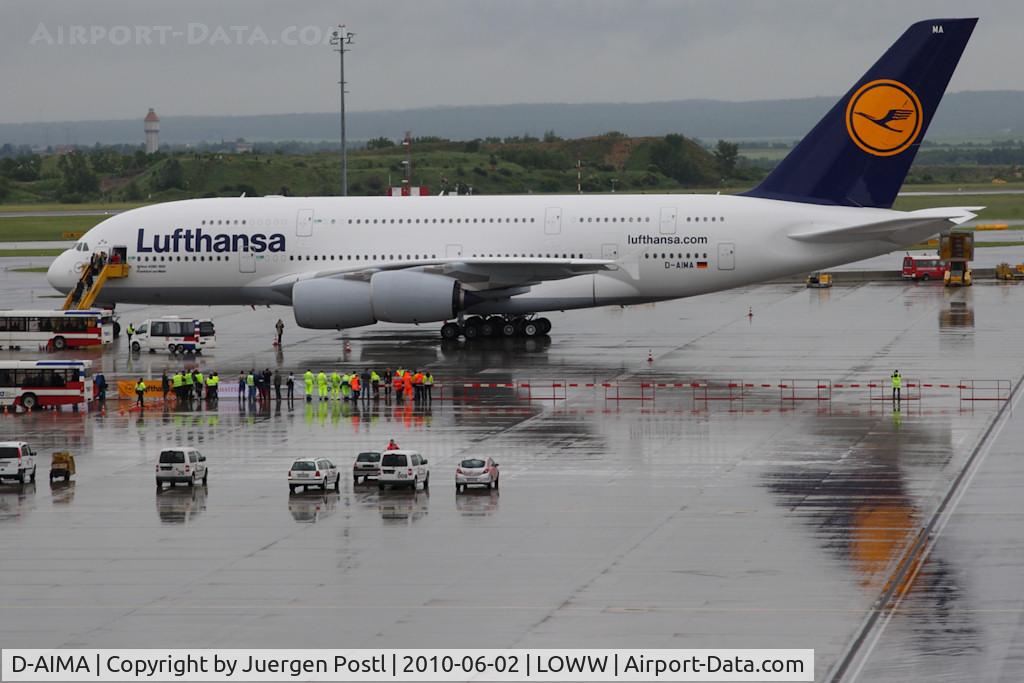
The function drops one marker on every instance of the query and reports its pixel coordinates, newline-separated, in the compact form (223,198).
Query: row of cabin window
(418,257)
(614,219)
(673,255)
(375,221)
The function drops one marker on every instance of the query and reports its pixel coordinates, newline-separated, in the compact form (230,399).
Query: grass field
(30,269)
(30,252)
(86,206)
(44,228)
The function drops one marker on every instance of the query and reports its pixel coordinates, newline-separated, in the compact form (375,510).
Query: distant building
(152,132)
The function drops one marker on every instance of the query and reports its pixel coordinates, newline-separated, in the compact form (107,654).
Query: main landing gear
(481,327)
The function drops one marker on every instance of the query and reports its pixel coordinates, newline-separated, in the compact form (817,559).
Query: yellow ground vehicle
(958,275)
(1004,271)
(819,280)
(62,466)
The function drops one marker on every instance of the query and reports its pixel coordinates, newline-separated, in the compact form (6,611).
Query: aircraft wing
(476,274)
(909,228)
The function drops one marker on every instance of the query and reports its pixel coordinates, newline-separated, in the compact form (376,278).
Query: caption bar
(407,665)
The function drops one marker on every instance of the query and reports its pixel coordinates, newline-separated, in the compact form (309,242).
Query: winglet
(860,152)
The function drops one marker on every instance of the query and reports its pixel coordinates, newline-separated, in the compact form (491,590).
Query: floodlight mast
(340,39)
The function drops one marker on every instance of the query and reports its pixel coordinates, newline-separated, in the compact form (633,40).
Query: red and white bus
(923,268)
(57,330)
(32,383)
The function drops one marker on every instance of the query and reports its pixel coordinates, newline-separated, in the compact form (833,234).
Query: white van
(17,462)
(403,468)
(175,335)
(181,465)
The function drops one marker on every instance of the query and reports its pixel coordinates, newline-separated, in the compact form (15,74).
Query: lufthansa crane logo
(883,117)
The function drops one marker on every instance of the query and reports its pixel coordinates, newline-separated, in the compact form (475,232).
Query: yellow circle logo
(883,117)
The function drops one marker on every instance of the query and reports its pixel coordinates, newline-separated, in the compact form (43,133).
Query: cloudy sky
(101,59)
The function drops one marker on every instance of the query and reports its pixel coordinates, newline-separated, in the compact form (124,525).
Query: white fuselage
(250,250)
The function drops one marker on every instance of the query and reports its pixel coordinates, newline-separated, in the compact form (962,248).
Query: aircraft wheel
(530,328)
(508,329)
(450,331)
(472,330)
(544,325)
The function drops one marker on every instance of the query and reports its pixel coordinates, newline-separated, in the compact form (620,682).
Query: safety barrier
(805,390)
(909,391)
(985,389)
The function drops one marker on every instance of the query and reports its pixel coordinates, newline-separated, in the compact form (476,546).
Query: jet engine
(390,296)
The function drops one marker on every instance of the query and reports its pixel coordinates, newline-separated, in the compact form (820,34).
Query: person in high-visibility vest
(308,379)
(397,383)
(140,391)
(130,331)
(211,387)
(177,382)
(356,384)
(189,381)
(321,383)
(250,385)
(335,385)
(428,386)
(375,384)
(417,386)
(407,380)
(200,383)
(897,383)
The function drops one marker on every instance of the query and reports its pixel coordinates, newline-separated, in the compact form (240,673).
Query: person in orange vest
(417,386)
(397,383)
(407,379)
(356,385)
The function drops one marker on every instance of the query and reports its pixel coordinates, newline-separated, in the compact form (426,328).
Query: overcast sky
(102,59)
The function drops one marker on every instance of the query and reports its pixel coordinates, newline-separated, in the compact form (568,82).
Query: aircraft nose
(61,274)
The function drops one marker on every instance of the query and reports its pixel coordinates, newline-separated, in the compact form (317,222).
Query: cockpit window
(81,246)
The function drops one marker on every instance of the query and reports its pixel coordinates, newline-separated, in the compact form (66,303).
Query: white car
(310,472)
(403,468)
(476,472)
(181,465)
(366,465)
(17,462)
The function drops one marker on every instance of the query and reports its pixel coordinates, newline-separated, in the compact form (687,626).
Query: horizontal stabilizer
(911,227)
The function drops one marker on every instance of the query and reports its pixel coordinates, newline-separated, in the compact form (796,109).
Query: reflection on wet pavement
(680,520)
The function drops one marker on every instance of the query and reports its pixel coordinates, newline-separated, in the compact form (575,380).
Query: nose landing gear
(479,327)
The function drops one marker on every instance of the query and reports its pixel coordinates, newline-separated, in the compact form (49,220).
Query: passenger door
(726,256)
(200,465)
(610,251)
(553,221)
(667,225)
(246,262)
(304,223)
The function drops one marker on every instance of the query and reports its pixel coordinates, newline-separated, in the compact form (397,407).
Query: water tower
(152,132)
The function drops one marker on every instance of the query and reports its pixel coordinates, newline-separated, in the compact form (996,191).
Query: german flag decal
(702,264)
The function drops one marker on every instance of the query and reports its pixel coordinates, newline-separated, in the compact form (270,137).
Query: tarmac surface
(729,514)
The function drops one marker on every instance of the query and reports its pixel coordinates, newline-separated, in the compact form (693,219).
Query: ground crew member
(211,387)
(308,378)
(356,385)
(407,380)
(321,383)
(250,385)
(130,331)
(417,386)
(392,446)
(897,383)
(291,386)
(397,382)
(177,382)
(375,383)
(428,386)
(189,381)
(335,386)
(280,331)
(241,385)
(165,384)
(277,385)
(140,391)
(200,382)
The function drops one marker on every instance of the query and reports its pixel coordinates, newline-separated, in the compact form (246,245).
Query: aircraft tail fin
(860,152)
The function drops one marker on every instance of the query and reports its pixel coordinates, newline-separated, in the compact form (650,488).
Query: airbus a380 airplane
(349,262)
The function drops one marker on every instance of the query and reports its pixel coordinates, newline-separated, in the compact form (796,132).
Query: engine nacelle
(401,296)
(328,304)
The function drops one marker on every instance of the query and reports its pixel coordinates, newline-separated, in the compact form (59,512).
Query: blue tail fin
(859,154)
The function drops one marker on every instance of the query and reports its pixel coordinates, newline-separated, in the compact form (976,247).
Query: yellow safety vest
(897,380)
